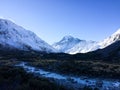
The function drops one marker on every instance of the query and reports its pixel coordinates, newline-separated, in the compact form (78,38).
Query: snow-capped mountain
(73,45)
(14,36)
(83,47)
(110,40)
(66,43)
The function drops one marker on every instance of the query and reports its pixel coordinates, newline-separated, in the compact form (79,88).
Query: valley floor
(16,78)
(73,74)
(72,82)
(80,67)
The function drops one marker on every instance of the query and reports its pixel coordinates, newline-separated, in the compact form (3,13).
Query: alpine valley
(14,36)
(29,63)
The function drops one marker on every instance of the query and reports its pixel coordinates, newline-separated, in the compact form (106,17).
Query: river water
(71,81)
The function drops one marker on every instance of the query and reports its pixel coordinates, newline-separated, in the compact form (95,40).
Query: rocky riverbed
(73,82)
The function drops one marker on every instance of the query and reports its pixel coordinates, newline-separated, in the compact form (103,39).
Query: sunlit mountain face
(14,36)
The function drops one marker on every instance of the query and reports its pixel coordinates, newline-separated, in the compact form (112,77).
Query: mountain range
(73,45)
(13,36)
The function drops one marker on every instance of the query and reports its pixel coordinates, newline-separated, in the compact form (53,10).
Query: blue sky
(53,19)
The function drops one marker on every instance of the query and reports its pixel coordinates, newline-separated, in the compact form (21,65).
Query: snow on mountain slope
(110,40)
(83,47)
(73,45)
(17,37)
(66,43)
(12,35)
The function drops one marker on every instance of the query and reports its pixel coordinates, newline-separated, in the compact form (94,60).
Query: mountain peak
(15,36)
(66,43)
(72,45)
(68,37)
